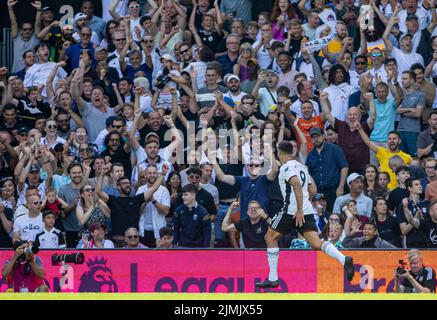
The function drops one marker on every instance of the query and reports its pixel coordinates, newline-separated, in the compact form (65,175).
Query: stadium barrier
(219,271)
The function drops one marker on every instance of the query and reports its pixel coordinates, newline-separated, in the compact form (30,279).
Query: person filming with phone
(418,279)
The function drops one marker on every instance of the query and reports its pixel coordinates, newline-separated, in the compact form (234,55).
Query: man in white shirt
(234,94)
(267,96)
(412,7)
(27,226)
(153,216)
(405,56)
(262,48)
(40,71)
(339,91)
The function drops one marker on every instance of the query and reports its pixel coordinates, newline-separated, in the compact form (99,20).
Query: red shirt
(306,125)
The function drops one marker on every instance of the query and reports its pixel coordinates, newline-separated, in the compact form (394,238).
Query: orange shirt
(306,125)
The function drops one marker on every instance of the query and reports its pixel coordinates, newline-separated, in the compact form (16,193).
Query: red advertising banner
(219,271)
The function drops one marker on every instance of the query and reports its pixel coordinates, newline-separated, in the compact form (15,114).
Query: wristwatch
(153,201)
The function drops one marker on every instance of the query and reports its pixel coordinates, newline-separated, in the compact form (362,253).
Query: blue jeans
(409,142)
(219,234)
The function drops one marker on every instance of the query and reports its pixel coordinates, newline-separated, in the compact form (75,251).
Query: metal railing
(6,50)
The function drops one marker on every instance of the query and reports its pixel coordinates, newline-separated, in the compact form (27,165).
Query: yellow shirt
(334,46)
(383,155)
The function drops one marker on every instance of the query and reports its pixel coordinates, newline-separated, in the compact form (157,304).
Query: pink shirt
(21,280)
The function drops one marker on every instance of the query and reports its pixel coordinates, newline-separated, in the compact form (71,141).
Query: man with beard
(230,58)
(24,38)
(383,154)
(186,54)
(70,193)
(67,122)
(287,75)
(234,95)
(153,215)
(57,37)
(124,88)
(118,151)
(426,142)
(125,209)
(427,88)
(339,91)
(28,60)
(252,69)
(405,56)
(10,122)
(113,124)
(40,71)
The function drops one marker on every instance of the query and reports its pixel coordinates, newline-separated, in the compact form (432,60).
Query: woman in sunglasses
(51,138)
(90,210)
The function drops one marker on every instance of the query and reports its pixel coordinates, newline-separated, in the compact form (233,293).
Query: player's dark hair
(286,147)
(402,168)
(189,188)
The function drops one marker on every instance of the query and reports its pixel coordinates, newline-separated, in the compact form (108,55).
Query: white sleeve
(289,172)
(164,198)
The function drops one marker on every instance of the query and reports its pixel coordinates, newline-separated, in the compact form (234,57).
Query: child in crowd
(56,205)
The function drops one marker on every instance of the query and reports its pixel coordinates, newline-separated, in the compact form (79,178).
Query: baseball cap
(151,134)
(318,197)
(34,168)
(23,129)
(405,35)
(96,226)
(68,27)
(168,57)
(353,176)
(411,16)
(98,49)
(270,71)
(233,76)
(315,130)
(47,8)
(79,15)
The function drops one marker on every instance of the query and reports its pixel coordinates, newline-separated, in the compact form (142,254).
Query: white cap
(79,15)
(232,76)
(353,176)
(168,57)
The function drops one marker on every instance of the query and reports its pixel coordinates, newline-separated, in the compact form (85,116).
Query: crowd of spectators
(156,124)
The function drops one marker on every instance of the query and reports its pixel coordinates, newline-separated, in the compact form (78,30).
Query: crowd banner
(218,271)
(329,19)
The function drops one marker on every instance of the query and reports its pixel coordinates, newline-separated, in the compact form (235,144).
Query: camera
(76,258)
(401,268)
(163,79)
(33,249)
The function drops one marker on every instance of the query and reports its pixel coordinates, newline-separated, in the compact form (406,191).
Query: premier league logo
(98,278)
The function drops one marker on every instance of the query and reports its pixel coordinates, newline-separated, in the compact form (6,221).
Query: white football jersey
(286,172)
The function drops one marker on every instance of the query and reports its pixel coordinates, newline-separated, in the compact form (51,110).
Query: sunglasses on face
(86,34)
(52,127)
(360,62)
(134,6)
(121,39)
(184,51)
(88,190)
(149,41)
(132,237)
(37,203)
(253,165)
(376,55)
(117,127)
(114,140)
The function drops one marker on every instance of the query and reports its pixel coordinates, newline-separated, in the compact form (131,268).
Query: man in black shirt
(253,227)
(419,279)
(118,151)
(401,192)
(126,209)
(428,227)
(413,206)
(203,197)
